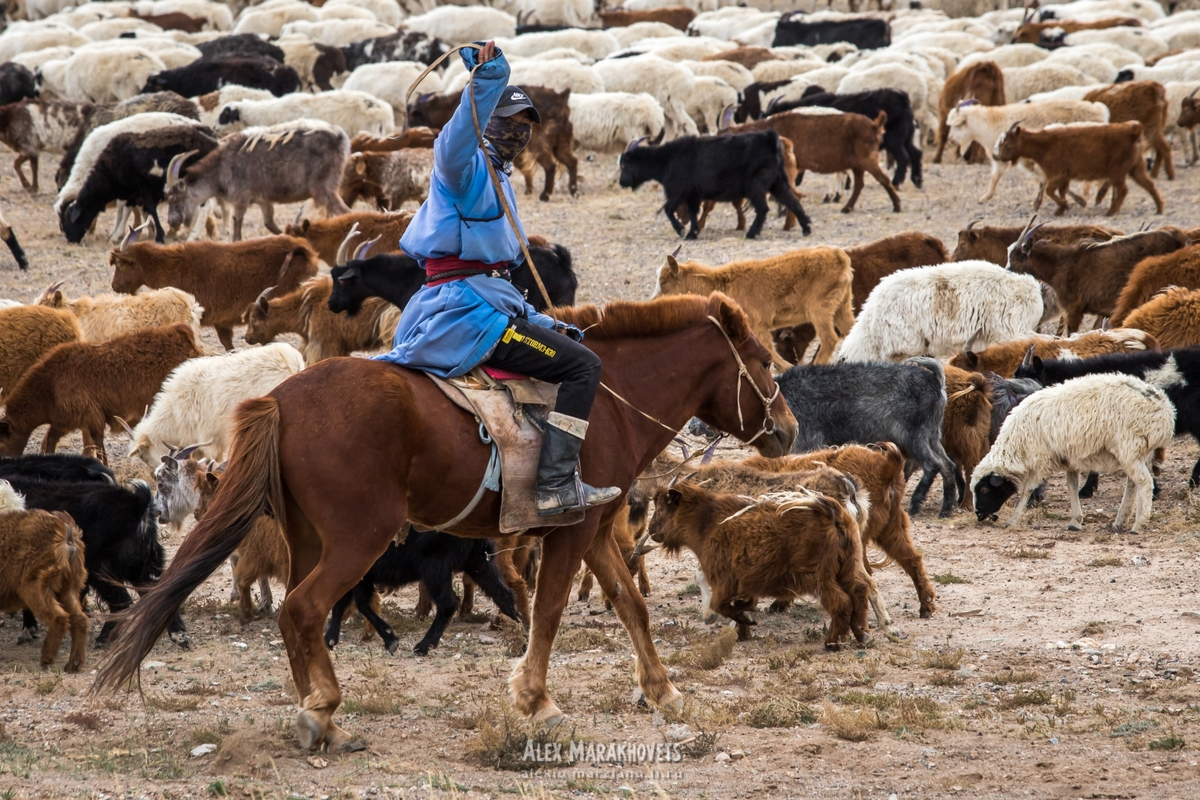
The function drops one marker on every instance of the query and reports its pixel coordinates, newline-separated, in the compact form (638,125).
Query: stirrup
(575,496)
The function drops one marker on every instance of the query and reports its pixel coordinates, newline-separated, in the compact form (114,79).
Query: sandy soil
(1057,665)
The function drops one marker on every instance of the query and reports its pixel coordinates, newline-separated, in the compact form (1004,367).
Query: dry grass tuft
(501,742)
(1026,552)
(779,713)
(84,720)
(166,703)
(579,640)
(946,679)
(1013,676)
(851,725)
(1111,561)
(1034,697)
(943,659)
(712,651)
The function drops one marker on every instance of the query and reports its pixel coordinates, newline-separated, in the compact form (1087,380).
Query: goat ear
(971,358)
(211,480)
(674,496)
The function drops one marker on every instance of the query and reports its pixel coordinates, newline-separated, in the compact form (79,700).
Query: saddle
(511,409)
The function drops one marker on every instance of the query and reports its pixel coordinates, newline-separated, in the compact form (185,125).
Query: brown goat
(678,17)
(45,574)
(1172,317)
(871,262)
(1031,32)
(1088,276)
(832,143)
(413,137)
(1144,102)
(26,334)
(225,278)
(991,243)
(1085,152)
(982,81)
(389,179)
(965,426)
(1180,268)
(807,544)
(326,334)
(86,385)
(326,235)
(553,141)
(880,470)
(1004,358)
(748,57)
(172,21)
(809,285)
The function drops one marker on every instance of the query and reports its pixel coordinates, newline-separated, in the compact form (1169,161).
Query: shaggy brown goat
(871,262)
(388,179)
(1151,275)
(224,278)
(809,285)
(1144,102)
(965,425)
(325,334)
(880,470)
(1004,358)
(1088,276)
(678,17)
(327,235)
(107,316)
(45,574)
(1031,32)
(413,137)
(806,544)
(991,243)
(553,141)
(86,385)
(832,143)
(26,334)
(1085,152)
(982,81)
(1172,317)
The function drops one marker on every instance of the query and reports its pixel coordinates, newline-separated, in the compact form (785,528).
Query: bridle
(768,425)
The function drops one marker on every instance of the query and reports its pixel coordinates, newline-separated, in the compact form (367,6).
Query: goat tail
(252,486)
(931,364)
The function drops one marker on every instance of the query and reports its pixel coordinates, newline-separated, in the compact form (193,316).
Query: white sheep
(644,30)
(767,71)
(691,48)
(1044,76)
(108,316)
(268,20)
(386,11)
(108,75)
(1169,73)
(669,83)
(456,25)
(920,88)
(730,23)
(213,103)
(828,78)
(960,44)
(338,32)
(116,27)
(1009,55)
(34,59)
(1139,40)
(1147,10)
(172,53)
(1094,66)
(197,400)
(13,42)
(594,44)
(353,112)
(99,138)
(344,12)
(571,13)
(390,81)
(710,96)
(608,121)
(1119,56)
(986,124)
(936,310)
(735,75)
(218,16)
(1097,423)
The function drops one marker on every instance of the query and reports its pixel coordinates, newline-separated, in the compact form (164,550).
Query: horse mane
(625,319)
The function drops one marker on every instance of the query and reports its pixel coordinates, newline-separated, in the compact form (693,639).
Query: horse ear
(671,267)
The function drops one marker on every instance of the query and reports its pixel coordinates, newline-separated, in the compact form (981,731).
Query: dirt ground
(1057,665)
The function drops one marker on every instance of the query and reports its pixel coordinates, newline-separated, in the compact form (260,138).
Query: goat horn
(640,549)
(125,426)
(678,250)
(658,139)
(361,252)
(1027,361)
(129,239)
(973,223)
(148,224)
(185,453)
(176,164)
(286,262)
(299,216)
(340,259)
(261,301)
(969,347)
(1025,231)
(1106,324)
(52,288)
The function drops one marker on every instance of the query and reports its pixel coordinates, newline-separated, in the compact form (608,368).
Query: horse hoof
(672,700)
(309,730)
(926,614)
(550,716)
(352,746)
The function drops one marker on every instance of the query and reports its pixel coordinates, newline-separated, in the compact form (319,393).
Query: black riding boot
(559,487)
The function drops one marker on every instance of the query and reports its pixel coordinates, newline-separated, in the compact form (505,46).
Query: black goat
(1176,372)
(400,46)
(133,168)
(431,558)
(244,45)
(57,467)
(16,83)
(396,278)
(210,74)
(725,169)
(120,538)
(866,33)
(751,107)
(898,131)
(858,403)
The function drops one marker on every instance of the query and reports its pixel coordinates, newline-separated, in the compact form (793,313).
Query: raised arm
(454,149)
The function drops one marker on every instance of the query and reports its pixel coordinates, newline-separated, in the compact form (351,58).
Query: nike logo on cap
(517,96)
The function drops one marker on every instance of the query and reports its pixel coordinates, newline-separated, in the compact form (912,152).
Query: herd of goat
(894,355)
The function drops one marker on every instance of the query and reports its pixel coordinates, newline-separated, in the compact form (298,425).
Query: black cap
(513,100)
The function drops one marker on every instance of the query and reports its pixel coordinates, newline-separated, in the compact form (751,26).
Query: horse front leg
(604,559)
(562,550)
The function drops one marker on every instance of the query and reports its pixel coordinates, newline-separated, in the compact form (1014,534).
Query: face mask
(507,136)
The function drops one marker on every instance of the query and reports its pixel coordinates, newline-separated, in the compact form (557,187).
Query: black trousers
(551,357)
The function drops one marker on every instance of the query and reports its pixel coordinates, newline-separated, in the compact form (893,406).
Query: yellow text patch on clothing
(510,335)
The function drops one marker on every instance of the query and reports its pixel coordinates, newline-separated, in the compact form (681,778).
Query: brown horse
(347,451)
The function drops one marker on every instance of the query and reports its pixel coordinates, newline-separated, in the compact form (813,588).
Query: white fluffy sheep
(1009,55)
(338,32)
(13,42)
(644,30)
(919,87)
(386,11)
(1044,76)
(34,59)
(781,70)
(218,16)
(457,25)
(1139,40)
(608,121)
(353,112)
(390,82)
(960,44)
(691,48)
(828,78)
(172,53)
(571,13)
(710,96)
(269,19)
(1097,423)
(1147,10)
(594,44)
(1174,72)
(197,400)
(735,75)
(731,23)
(108,75)
(669,83)
(1094,66)
(213,103)
(936,310)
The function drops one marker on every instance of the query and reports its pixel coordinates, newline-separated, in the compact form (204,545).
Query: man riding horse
(468,313)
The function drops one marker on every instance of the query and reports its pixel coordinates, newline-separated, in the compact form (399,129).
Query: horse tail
(251,486)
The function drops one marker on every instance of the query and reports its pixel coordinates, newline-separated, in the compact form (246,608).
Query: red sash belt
(444,269)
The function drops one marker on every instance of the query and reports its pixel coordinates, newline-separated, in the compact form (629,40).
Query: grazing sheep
(457,24)
(353,112)
(108,316)
(936,310)
(1102,423)
(32,127)
(671,84)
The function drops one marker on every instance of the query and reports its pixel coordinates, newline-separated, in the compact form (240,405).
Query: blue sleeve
(539,319)
(455,147)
